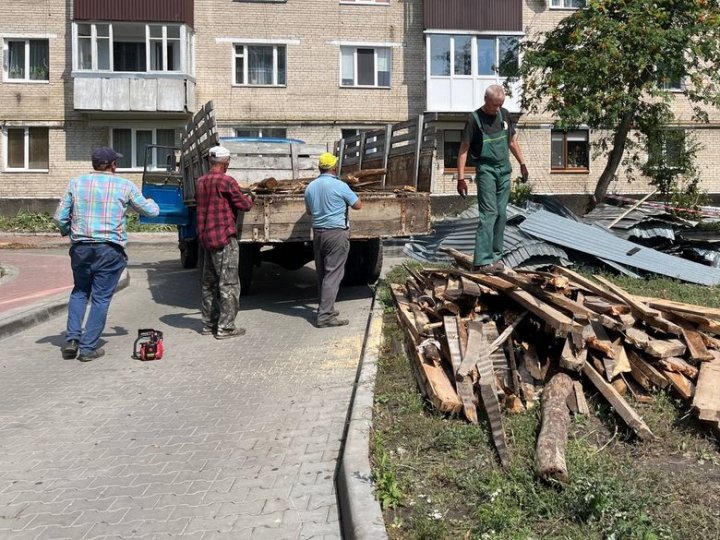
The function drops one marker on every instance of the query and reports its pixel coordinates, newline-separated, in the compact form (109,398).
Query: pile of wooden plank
(363,180)
(480,342)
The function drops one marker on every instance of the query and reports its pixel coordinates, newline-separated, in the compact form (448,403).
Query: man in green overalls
(488,135)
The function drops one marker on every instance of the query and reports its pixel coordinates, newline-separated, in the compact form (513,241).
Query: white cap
(219,152)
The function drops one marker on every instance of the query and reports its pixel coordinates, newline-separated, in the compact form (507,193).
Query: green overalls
(493,192)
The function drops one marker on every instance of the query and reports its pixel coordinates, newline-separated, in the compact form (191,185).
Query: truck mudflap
(282,217)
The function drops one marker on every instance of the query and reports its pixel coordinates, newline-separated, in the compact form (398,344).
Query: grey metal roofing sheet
(597,241)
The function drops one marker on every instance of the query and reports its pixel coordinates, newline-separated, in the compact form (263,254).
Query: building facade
(127,73)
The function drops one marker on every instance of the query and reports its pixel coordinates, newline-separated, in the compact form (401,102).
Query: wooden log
(464,387)
(627,413)
(706,401)
(550,453)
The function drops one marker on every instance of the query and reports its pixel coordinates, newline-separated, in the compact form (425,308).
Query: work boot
(332,321)
(207,331)
(70,349)
(227,334)
(492,268)
(92,355)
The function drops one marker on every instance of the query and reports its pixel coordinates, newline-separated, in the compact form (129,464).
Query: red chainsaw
(148,345)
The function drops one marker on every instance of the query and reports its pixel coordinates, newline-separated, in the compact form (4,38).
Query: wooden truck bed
(282,218)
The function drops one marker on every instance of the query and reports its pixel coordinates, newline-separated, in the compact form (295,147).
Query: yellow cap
(327,160)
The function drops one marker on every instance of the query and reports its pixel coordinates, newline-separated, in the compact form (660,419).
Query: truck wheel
(373,260)
(189,253)
(364,262)
(245,267)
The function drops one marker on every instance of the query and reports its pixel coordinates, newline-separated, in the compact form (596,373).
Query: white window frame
(245,46)
(26,150)
(135,167)
(496,37)
(260,130)
(6,59)
(553,4)
(185,44)
(375,66)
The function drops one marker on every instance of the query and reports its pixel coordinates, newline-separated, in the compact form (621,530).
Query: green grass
(444,480)
(29,222)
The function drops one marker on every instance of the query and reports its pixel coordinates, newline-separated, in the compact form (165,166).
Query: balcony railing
(141,92)
(473,15)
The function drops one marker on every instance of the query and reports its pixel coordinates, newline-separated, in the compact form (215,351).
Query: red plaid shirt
(218,199)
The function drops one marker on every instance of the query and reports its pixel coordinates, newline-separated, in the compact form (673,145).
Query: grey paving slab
(235,439)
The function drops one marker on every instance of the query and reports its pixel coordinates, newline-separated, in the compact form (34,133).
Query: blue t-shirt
(328,197)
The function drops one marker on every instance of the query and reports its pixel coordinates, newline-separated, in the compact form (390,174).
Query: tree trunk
(615,156)
(550,453)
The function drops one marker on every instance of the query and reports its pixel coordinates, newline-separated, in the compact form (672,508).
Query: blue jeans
(96,271)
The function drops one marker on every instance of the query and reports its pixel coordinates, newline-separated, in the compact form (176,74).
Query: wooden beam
(558,300)
(627,413)
(645,372)
(706,401)
(664,348)
(681,384)
(550,451)
(464,387)
(492,408)
(587,284)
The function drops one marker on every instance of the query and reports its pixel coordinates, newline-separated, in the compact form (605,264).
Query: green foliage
(28,222)
(610,66)
(43,222)
(386,485)
(520,192)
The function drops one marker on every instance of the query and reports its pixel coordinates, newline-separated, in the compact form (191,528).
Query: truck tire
(248,253)
(189,253)
(364,262)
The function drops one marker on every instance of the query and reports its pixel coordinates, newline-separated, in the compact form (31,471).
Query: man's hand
(462,188)
(524,173)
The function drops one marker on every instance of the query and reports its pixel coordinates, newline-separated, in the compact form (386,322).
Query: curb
(14,323)
(360,512)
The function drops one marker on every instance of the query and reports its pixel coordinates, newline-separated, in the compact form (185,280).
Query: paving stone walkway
(219,439)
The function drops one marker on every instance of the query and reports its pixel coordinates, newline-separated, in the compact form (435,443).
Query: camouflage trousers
(221,287)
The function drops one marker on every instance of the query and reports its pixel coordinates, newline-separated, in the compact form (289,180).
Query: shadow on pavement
(58,340)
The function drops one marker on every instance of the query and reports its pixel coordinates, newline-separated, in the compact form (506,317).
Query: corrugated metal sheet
(479,15)
(520,250)
(596,241)
(180,11)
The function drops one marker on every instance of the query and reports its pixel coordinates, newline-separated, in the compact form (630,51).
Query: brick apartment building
(83,73)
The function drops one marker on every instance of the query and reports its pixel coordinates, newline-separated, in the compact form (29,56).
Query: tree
(610,66)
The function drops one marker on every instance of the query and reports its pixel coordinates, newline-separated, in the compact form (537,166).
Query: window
(569,150)
(27,149)
(27,60)
(496,56)
(365,66)
(132,47)
(132,142)
(260,65)
(567,4)
(261,132)
(667,149)
(451,149)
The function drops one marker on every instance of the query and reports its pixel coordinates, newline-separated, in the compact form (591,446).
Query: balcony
(133,92)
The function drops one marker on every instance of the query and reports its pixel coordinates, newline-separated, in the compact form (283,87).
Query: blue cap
(104,154)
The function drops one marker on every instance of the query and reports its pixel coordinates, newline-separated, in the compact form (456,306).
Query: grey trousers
(331,251)
(221,287)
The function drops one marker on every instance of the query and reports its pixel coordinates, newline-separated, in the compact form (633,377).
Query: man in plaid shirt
(219,199)
(92,211)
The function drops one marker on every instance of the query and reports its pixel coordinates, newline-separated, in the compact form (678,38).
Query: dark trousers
(221,287)
(96,271)
(331,248)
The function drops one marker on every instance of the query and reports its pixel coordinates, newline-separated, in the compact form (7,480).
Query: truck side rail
(405,150)
(200,134)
